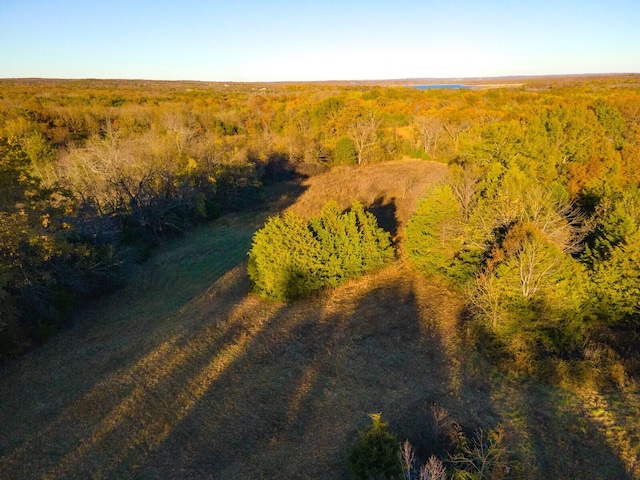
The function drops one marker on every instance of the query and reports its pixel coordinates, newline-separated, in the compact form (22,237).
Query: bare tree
(428,130)
(485,298)
(363,133)
(433,470)
(454,130)
(178,127)
(407,456)
(484,457)
(464,184)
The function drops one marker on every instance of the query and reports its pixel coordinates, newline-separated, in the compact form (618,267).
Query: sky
(309,40)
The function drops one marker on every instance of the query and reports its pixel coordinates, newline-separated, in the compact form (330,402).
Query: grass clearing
(185,374)
(389,189)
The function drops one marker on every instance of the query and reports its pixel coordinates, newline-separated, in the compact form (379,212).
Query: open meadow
(185,373)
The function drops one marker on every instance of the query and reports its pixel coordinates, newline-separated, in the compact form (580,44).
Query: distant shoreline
(632,79)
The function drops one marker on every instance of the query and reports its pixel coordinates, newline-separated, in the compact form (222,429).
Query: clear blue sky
(316,40)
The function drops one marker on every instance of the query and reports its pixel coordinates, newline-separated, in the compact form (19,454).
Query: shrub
(376,455)
(291,257)
(286,261)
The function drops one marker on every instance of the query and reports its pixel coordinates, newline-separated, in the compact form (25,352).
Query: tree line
(538,227)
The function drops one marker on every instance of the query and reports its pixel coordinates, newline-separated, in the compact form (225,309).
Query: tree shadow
(549,432)
(231,385)
(384,209)
(278,168)
(294,402)
(283,182)
(82,424)
(77,399)
(552,436)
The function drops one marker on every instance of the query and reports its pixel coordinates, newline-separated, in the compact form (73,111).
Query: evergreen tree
(291,258)
(434,234)
(286,261)
(16,182)
(377,453)
(345,152)
(340,238)
(616,283)
(374,243)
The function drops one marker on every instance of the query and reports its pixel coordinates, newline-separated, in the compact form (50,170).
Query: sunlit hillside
(187,374)
(390,189)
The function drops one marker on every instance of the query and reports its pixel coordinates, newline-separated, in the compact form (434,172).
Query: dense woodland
(538,224)
(537,227)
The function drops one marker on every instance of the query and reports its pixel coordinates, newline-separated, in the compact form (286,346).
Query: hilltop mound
(389,189)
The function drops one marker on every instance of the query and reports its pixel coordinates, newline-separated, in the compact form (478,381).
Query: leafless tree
(454,130)
(180,130)
(363,133)
(484,456)
(407,456)
(464,184)
(428,130)
(485,298)
(433,470)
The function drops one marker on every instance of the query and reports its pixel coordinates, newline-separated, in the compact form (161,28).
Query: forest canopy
(538,222)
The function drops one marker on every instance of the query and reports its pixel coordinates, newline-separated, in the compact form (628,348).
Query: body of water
(442,85)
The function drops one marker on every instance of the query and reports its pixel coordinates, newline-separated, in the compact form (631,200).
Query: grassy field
(390,190)
(186,374)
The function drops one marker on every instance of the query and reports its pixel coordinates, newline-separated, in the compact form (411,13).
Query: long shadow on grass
(95,398)
(232,386)
(294,401)
(549,430)
(552,435)
(130,410)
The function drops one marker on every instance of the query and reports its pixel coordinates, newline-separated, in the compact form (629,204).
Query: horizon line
(363,80)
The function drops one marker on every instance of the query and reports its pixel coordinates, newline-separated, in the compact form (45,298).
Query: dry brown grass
(392,188)
(228,385)
(185,374)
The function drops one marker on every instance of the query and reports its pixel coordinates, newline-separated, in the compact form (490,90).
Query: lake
(442,85)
